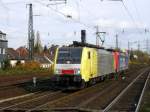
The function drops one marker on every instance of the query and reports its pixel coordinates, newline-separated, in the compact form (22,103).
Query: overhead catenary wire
(139,17)
(78,7)
(129,14)
(55,10)
(7,11)
(137,11)
(67,16)
(14,3)
(131,17)
(3,5)
(78,3)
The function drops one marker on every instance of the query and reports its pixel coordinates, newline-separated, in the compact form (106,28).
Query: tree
(38,46)
(6,64)
(142,57)
(45,48)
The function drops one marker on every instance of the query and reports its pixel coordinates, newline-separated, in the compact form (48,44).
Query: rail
(142,94)
(120,95)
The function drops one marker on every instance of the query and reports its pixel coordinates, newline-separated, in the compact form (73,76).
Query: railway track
(64,101)
(21,83)
(43,91)
(77,101)
(130,98)
(23,88)
(91,101)
(26,103)
(38,101)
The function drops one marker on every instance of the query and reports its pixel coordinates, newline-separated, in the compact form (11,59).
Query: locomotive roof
(77,44)
(80,44)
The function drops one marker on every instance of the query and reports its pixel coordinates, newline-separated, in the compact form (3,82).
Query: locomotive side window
(89,55)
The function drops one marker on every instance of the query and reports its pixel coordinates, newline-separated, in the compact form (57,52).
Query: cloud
(115,25)
(130,25)
(105,22)
(40,10)
(109,16)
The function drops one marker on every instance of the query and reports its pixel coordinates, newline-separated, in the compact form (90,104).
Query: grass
(18,71)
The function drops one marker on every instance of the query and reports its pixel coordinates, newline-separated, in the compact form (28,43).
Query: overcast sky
(128,21)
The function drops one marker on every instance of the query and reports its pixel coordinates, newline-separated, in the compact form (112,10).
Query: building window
(3,51)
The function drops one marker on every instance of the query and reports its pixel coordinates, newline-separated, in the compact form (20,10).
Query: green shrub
(28,68)
(6,64)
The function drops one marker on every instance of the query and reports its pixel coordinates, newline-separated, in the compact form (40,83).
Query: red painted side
(68,71)
(116,61)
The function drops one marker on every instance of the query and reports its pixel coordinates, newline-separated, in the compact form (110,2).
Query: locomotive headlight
(57,71)
(77,71)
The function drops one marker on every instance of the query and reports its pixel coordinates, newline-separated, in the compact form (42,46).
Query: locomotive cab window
(71,55)
(89,55)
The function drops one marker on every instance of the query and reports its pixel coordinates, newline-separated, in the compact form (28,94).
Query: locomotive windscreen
(69,55)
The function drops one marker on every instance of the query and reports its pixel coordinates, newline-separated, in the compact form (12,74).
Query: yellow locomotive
(82,64)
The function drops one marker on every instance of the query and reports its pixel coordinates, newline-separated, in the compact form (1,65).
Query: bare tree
(38,45)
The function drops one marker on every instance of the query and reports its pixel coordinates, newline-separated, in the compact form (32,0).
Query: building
(3,48)
(14,56)
(44,61)
(23,53)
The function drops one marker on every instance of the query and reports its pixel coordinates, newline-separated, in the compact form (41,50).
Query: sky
(61,24)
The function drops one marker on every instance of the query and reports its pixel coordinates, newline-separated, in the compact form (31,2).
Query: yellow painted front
(55,60)
(89,65)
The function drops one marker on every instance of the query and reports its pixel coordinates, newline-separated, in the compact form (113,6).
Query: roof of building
(12,54)
(1,40)
(2,33)
(19,54)
(42,59)
(23,52)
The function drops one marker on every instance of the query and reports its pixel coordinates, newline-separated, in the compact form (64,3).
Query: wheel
(102,78)
(83,84)
(94,81)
